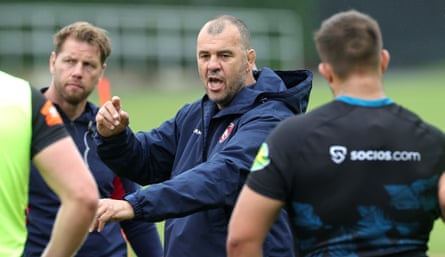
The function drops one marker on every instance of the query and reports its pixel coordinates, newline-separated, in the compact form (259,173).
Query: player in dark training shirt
(359,176)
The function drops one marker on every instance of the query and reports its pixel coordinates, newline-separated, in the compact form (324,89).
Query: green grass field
(420,91)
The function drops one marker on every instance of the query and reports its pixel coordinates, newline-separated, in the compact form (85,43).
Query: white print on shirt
(339,154)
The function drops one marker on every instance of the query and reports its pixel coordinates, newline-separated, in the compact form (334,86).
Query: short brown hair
(84,32)
(349,41)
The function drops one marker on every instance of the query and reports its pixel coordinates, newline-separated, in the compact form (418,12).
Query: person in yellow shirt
(32,129)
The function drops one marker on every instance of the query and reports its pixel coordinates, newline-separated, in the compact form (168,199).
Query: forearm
(69,230)
(111,149)
(244,249)
(441,195)
(134,158)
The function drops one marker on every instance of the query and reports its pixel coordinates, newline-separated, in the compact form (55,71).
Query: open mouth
(214,83)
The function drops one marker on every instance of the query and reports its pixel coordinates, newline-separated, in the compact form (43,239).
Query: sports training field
(420,91)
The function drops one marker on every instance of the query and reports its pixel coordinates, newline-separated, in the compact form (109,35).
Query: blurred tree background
(413,30)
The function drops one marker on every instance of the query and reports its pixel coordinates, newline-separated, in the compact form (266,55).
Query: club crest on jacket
(227,132)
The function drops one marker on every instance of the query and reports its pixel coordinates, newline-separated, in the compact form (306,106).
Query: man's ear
(52,60)
(251,59)
(326,71)
(384,60)
(104,67)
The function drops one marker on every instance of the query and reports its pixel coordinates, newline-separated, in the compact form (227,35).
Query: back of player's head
(350,41)
(84,32)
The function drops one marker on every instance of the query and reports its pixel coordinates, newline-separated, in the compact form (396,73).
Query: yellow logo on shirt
(261,159)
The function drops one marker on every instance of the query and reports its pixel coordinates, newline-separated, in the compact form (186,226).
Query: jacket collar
(292,87)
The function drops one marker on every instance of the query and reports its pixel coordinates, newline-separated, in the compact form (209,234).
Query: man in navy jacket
(76,65)
(198,161)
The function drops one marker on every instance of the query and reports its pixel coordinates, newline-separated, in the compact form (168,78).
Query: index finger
(116,101)
(110,113)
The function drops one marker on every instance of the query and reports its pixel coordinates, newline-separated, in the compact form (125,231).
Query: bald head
(218,24)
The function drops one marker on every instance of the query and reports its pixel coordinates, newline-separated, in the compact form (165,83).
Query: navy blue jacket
(202,157)
(44,204)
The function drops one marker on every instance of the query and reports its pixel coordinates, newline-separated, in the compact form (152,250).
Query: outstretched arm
(250,222)
(146,157)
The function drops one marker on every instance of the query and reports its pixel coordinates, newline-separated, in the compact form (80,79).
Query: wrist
(129,201)
(127,210)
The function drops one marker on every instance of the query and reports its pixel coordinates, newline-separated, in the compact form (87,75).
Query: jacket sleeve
(142,236)
(145,157)
(212,184)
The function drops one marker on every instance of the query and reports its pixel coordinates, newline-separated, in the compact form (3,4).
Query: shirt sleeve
(269,182)
(271,171)
(47,125)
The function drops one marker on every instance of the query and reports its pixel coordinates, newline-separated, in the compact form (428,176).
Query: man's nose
(213,63)
(77,70)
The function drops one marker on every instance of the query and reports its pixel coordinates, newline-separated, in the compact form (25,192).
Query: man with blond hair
(77,64)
